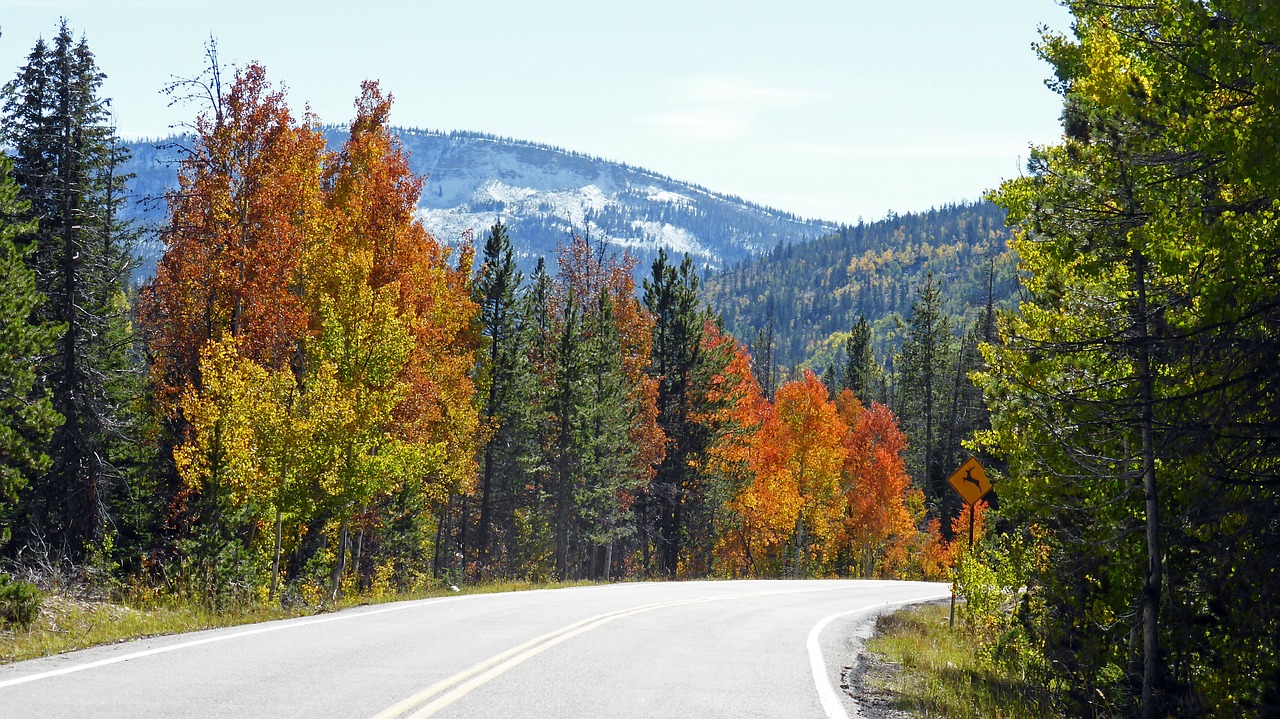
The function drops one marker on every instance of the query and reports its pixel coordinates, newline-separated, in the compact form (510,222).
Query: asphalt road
(670,649)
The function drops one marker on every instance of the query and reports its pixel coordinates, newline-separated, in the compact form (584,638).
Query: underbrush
(72,617)
(945,672)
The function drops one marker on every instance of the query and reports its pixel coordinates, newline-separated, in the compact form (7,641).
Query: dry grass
(67,623)
(943,673)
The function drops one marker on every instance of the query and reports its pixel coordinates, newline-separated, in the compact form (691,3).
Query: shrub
(19,602)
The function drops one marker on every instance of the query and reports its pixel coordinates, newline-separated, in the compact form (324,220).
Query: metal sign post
(970,482)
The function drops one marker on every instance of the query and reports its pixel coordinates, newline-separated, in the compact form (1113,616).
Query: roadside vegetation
(77,615)
(990,664)
(935,671)
(314,402)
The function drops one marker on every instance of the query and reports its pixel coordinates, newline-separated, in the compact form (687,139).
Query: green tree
(495,288)
(764,365)
(606,455)
(531,547)
(684,368)
(926,353)
(67,165)
(567,377)
(1135,396)
(28,414)
(861,374)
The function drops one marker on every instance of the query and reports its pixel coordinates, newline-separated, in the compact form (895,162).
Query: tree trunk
(1151,663)
(562,517)
(642,527)
(799,544)
(355,557)
(435,553)
(340,566)
(275,555)
(482,535)
(482,539)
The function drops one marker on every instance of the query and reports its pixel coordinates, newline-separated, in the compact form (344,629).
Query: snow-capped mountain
(544,194)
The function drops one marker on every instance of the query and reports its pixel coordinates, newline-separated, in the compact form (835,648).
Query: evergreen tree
(67,165)
(926,354)
(495,290)
(680,365)
(27,417)
(762,352)
(606,455)
(530,546)
(567,377)
(861,373)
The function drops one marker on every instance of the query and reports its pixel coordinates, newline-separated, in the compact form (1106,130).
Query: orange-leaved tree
(227,297)
(816,433)
(876,487)
(740,410)
(248,201)
(398,324)
(790,514)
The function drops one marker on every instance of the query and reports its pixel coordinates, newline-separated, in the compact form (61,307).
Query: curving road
(667,649)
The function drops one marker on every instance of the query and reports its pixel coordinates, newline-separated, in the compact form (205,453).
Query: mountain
(543,194)
(816,289)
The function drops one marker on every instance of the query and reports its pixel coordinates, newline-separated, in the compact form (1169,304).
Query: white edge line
(831,703)
(446,691)
(275,626)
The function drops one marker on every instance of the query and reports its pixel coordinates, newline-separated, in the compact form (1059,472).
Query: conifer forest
(314,398)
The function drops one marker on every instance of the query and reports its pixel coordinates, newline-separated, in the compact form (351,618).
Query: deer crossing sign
(970,481)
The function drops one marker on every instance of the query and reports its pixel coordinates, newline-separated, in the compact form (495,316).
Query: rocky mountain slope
(543,194)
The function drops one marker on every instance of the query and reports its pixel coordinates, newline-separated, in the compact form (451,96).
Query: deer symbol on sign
(968,477)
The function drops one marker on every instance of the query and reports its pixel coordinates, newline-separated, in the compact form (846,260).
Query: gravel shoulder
(862,680)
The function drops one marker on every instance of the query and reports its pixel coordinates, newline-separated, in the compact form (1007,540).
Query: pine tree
(495,289)
(861,373)
(606,455)
(530,546)
(27,417)
(925,356)
(762,351)
(68,168)
(683,370)
(567,376)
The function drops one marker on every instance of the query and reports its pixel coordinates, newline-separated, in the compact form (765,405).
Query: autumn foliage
(824,488)
(316,357)
(312,345)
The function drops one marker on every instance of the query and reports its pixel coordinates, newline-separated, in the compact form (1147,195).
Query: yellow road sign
(970,481)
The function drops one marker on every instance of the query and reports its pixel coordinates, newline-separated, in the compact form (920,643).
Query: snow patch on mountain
(544,194)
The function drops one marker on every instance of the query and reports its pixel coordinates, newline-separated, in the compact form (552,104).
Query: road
(665,649)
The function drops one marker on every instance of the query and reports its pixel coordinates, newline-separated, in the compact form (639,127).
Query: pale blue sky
(836,110)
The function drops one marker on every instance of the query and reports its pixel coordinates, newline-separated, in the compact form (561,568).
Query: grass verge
(942,672)
(66,624)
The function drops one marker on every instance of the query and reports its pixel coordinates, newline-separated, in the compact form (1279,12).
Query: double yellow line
(431,700)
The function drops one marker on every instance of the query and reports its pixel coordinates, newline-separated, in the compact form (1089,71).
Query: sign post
(970,482)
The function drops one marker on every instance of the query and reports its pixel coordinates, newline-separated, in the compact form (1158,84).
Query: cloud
(723,107)
(701,124)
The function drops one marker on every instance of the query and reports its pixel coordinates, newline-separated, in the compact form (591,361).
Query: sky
(831,109)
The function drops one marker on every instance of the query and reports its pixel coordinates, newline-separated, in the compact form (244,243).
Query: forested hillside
(315,397)
(542,194)
(814,292)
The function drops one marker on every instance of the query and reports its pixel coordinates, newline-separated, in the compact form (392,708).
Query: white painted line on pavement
(447,691)
(831,703)
(280,625)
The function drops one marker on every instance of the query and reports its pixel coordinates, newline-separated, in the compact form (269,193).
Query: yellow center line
(459,685)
